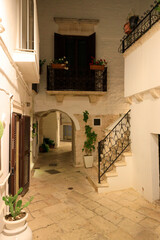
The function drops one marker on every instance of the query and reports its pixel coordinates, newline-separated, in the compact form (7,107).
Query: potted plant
(89,144)
(34,129)
(15,222)
(60,63)
(44,148)
(49,142)
(132,21)
(97,64)
(41,63)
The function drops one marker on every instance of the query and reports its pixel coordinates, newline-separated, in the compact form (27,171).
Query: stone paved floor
(65,206)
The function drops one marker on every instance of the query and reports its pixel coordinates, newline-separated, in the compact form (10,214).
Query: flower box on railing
(97,67)
(58,65)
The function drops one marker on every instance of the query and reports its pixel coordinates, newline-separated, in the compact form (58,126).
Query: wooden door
(25,154)
(13,169)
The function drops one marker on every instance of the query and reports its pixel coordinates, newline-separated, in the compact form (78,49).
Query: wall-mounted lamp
(2,29)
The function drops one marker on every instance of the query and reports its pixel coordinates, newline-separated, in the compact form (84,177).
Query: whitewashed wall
(51,127)
(145,127)
(142,73)
(10,85)
(142,70)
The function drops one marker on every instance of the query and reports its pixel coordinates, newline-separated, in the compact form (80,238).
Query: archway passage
(56,130)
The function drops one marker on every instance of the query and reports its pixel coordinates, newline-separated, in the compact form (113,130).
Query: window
(97,122)
(26,24)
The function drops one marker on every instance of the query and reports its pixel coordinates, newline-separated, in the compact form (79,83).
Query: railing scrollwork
(113,145)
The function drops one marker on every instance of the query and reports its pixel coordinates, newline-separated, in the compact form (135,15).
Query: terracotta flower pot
(127,28)
(97,67)
(58,66)
(16,230)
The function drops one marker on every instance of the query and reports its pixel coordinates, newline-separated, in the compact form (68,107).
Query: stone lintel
(59,20)
(75,26)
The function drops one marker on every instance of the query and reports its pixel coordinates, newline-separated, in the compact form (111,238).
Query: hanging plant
(34,127)
(91,136)
(1,129)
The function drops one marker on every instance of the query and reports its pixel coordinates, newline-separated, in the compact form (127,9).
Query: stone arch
(71,116)
(76,127)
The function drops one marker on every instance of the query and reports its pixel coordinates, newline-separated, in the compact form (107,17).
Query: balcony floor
(66,207)
(93,95)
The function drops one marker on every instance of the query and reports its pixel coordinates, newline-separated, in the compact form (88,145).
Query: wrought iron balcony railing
(72,80)
(143,26)
(113,145)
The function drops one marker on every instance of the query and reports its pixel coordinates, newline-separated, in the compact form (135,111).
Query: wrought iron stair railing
(150,18)
(113,145)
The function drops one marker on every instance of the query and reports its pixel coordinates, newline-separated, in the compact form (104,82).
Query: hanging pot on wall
(133,20)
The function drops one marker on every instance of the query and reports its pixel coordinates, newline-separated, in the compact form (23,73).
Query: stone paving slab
(66,207)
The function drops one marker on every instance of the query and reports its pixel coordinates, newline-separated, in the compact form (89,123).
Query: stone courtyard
(66,207)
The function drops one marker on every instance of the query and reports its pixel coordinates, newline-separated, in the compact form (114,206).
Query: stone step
(120,163)
(112,173)
(99,187)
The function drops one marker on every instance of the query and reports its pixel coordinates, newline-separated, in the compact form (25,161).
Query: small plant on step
(15,205)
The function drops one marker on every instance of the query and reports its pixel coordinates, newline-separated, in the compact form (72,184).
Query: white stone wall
(10,85)
(142,70)
(142,82)
(145,127)
(51,127)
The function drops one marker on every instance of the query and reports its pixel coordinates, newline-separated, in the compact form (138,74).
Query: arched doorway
(58,126)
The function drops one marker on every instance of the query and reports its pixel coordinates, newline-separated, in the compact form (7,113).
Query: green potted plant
(44,148)
(49,142)
(41,63)
(34,129)
(15,221)
(60,63)
(132,21)
(97,64)
(89,144)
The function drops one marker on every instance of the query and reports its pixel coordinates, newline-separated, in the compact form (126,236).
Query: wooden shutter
(25,154)
(12,185)
(91,46)
(59,46)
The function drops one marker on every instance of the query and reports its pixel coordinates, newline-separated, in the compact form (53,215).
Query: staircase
(114,159)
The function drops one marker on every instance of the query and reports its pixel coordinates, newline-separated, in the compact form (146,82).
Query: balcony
(89,83)
(28,64)
(151,17)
